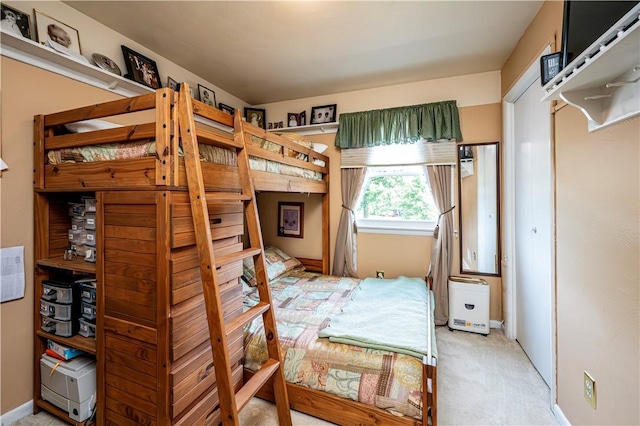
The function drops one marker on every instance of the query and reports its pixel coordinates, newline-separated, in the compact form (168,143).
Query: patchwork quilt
(304,303)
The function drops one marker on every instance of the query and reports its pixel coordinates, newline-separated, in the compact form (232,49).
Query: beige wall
(26,91)
(597,250)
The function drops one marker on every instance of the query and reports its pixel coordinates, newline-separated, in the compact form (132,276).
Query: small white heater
(469,304)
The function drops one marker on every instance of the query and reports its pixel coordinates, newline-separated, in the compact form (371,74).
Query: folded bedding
(385,314)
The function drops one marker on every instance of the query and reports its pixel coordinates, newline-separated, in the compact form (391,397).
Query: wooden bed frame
(166,172)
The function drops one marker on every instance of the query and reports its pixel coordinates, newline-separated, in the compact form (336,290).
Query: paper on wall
(3,166)
(11,273)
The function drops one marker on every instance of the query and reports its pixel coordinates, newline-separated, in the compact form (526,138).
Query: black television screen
(585,21)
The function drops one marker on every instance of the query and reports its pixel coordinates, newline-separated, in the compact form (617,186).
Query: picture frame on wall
(226,108)
(292,119)
(141,69)
(15,21)
(56,34)
(290,219)
(323,114)
(255,116)
(172,84)
(207,96)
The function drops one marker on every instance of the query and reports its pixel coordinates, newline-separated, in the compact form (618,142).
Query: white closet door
(533,220)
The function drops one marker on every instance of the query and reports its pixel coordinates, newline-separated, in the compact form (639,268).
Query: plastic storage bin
(469,300)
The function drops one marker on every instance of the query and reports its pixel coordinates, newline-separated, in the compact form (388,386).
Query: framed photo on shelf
(141,69)
(226,108)
(49,29)
(15,21)
(255,116)
(302,118)
(323,114)
(171,83)
(292,119)
(290,219)
(207,95)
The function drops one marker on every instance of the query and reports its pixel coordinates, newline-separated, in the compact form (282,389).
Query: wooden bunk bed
(152,348)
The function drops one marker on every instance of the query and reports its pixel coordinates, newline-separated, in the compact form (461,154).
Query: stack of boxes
(60,307)
(82,235)
(88,300)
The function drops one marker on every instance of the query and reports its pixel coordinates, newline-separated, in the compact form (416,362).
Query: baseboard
(560,416)
(16,414)
(495,324)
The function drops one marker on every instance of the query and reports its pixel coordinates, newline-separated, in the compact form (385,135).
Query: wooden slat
(256,382)
(116,419)
(133,220)
(135,209)
(123,269)
(126,410)
(130,258)
(211,138)
(132,375)
(105,175)
(312,265)
(267,181)
(105,109)
(187,257)
(187,239)
(136,348)
(140,404)
(204,407)
(131,232)
(120,383)
(123,244)
(247,316)
(141,366)
(125,328)
(203,110)
(215,176)
(139,315)
(215,208)
(192,387)
(130,283)
(118,135)
(38,153)
(181,225)
(235,257)
(146,299)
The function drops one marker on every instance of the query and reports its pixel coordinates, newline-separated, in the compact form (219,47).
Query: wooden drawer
(226,220)
(205,410)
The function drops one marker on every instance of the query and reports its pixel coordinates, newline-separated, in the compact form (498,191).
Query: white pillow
(90,126)
(319,147)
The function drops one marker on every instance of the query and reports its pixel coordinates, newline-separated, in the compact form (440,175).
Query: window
(396,200)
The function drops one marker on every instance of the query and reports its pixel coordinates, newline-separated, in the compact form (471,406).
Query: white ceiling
(269,51)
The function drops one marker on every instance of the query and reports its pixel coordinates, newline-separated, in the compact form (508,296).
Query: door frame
(509,273)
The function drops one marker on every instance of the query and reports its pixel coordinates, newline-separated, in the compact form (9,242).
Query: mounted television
(585,21)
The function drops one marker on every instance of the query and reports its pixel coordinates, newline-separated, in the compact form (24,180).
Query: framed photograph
(292,119)
(15,22)
(290,219)
(323,114)
(226,108)
(302,118)
(171,83)
(255,116)
(49,30)
(207,96)
(141,69)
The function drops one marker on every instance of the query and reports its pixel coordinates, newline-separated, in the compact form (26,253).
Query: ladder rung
(255,383)
(226,196)
(246,317)
(234,257)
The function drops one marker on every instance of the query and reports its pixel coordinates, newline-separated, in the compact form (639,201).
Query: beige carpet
(481,381)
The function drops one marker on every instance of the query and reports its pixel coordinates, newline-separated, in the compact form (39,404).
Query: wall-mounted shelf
(30,52)
(311,129)
(604,81)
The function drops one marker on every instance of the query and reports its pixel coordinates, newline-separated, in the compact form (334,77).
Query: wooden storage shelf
(61,414)
(77,265)
(87,344)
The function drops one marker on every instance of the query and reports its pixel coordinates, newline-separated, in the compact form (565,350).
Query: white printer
(69,385)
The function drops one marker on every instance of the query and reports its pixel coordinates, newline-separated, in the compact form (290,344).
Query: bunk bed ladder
(230,401)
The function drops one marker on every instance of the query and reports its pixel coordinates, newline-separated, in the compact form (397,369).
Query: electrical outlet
(380,274)
(590,390)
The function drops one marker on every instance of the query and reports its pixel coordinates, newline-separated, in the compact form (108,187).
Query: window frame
(394,226)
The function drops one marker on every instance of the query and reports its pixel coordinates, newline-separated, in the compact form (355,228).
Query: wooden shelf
(30,52)
(78,265)
(604,81)
(87,344)
(59,413)
(311,129)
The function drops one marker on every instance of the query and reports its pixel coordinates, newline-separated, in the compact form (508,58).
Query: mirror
(478,198)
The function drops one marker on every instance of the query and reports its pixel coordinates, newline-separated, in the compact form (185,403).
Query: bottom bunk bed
(343,383)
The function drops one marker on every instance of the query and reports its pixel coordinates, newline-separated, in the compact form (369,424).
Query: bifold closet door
(533,225)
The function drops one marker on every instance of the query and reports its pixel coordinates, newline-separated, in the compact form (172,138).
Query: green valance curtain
(401,125)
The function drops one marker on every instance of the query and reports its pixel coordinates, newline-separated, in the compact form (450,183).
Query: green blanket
(386,314)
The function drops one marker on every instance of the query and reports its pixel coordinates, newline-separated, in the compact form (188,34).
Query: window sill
(394,229)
